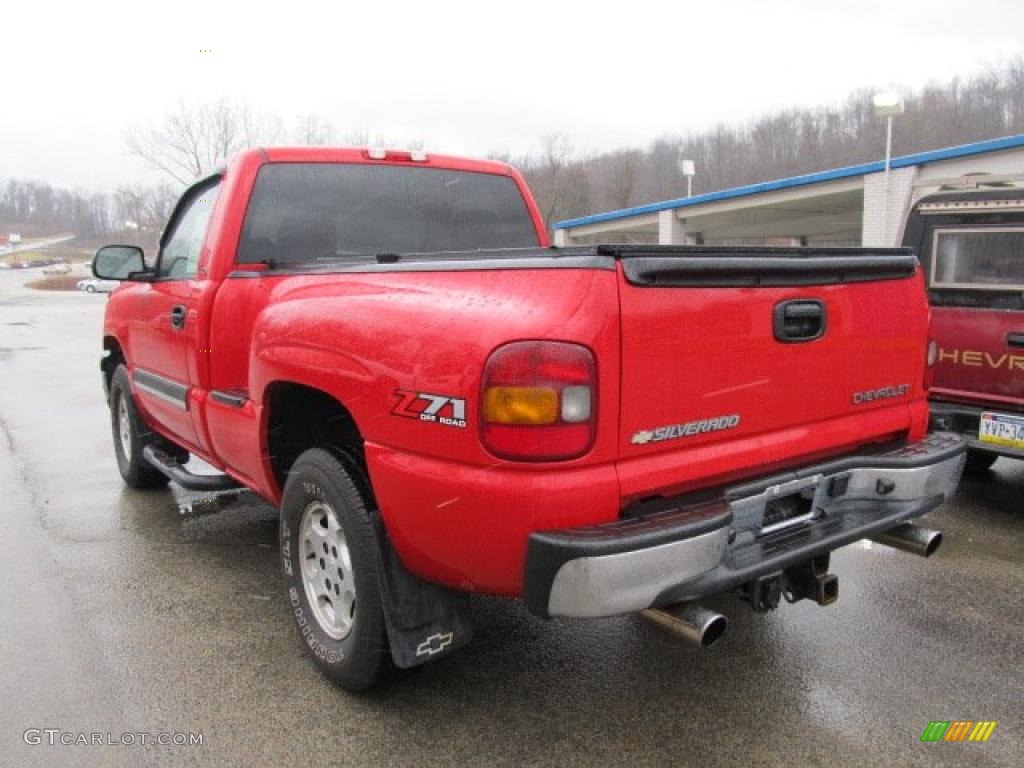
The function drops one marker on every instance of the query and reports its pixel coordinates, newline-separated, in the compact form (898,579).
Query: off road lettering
(424,406)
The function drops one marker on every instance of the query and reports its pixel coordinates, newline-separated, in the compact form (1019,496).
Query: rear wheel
(979,461)
(331,569)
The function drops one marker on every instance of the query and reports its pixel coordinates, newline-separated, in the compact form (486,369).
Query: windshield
(308,212)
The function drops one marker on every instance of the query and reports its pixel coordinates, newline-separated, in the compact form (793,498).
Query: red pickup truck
(971,243)
(383,345)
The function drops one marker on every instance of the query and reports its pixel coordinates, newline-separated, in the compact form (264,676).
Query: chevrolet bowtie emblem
(434,644)
(641,437)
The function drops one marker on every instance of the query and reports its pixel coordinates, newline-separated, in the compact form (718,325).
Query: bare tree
(364,137)
(130,205)
(784,143)
(558,178)
(621,177)
(315,131)
(159,203)
(192,140)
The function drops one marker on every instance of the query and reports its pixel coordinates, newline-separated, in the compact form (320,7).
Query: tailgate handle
(799,320)
(1015,339)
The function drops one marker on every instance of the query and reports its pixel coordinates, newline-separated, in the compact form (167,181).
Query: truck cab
(971,244)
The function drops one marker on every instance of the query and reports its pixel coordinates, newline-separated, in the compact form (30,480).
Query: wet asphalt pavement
(120,616)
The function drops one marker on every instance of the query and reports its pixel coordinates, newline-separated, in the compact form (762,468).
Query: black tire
(353,656)
(134,469)
(90,289)
(979,461)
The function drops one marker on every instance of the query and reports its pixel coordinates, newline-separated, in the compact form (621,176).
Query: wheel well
(301,418)
(113,356)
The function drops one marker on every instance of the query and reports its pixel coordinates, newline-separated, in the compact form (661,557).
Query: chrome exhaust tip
(924,542)
(691,622)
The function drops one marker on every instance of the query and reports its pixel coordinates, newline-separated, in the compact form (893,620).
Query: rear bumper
(964,420)
(683,551)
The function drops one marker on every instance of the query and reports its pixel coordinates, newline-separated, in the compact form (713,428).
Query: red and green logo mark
(958,730)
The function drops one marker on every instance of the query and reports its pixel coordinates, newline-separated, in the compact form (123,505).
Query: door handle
(178,316)
(799,320)
(1015,339)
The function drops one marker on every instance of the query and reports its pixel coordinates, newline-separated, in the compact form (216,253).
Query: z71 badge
(423,406)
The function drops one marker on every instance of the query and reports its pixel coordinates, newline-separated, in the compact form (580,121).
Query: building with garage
(856,205)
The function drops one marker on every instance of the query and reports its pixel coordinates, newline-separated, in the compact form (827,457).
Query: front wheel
(130,436)
(331,569)
(979,461)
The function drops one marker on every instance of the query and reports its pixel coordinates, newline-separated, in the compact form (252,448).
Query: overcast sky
(462,77)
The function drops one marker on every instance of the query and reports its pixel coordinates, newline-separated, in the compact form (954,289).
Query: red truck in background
(971,243)
(383,345)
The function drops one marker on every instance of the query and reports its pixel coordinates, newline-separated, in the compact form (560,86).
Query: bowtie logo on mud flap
(434,644)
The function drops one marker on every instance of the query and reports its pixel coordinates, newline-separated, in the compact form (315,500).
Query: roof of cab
(393,157)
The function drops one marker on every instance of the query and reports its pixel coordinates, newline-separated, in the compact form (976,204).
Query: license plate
(1001,429)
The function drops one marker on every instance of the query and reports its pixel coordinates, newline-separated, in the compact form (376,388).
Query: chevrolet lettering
(870,395)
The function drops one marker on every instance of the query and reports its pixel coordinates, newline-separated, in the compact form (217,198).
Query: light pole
(689,171)
(887,104)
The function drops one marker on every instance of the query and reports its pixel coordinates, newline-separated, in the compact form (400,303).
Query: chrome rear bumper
(683,552)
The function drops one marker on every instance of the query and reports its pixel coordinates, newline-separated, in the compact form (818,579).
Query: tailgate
(734,359)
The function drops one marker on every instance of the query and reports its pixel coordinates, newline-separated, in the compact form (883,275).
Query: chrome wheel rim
(327,570)
(124,426)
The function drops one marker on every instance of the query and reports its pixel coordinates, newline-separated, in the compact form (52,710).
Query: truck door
(165,331)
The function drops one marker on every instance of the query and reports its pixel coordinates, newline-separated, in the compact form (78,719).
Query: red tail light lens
(931,357)
(539,401)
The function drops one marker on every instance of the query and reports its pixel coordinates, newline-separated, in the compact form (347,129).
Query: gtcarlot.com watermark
(57,737)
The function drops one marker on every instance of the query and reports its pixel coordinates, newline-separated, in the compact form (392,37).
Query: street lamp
(689,171)
(887,104)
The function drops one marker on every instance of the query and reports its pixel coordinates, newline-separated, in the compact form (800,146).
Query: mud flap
(425,621)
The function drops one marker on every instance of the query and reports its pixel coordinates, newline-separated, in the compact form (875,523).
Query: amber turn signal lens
(538,401)
(520,405)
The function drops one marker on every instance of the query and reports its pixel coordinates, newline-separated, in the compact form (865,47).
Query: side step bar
(190,481)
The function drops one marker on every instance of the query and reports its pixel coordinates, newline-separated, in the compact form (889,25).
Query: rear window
(986,259)
(309,212)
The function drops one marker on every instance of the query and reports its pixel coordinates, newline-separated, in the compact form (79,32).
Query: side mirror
(118,262)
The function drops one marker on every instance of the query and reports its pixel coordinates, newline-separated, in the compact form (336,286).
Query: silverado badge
(687,429)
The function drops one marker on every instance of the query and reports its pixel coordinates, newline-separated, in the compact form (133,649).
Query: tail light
(538,401)
(931,357)
(378,153)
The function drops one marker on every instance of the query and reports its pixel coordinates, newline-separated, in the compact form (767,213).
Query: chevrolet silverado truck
(971,244)
(383,345)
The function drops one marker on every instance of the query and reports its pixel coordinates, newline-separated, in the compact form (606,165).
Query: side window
(179,256)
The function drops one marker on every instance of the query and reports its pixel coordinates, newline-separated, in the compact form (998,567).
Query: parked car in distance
(60,268)
(97,285)
(971,245)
